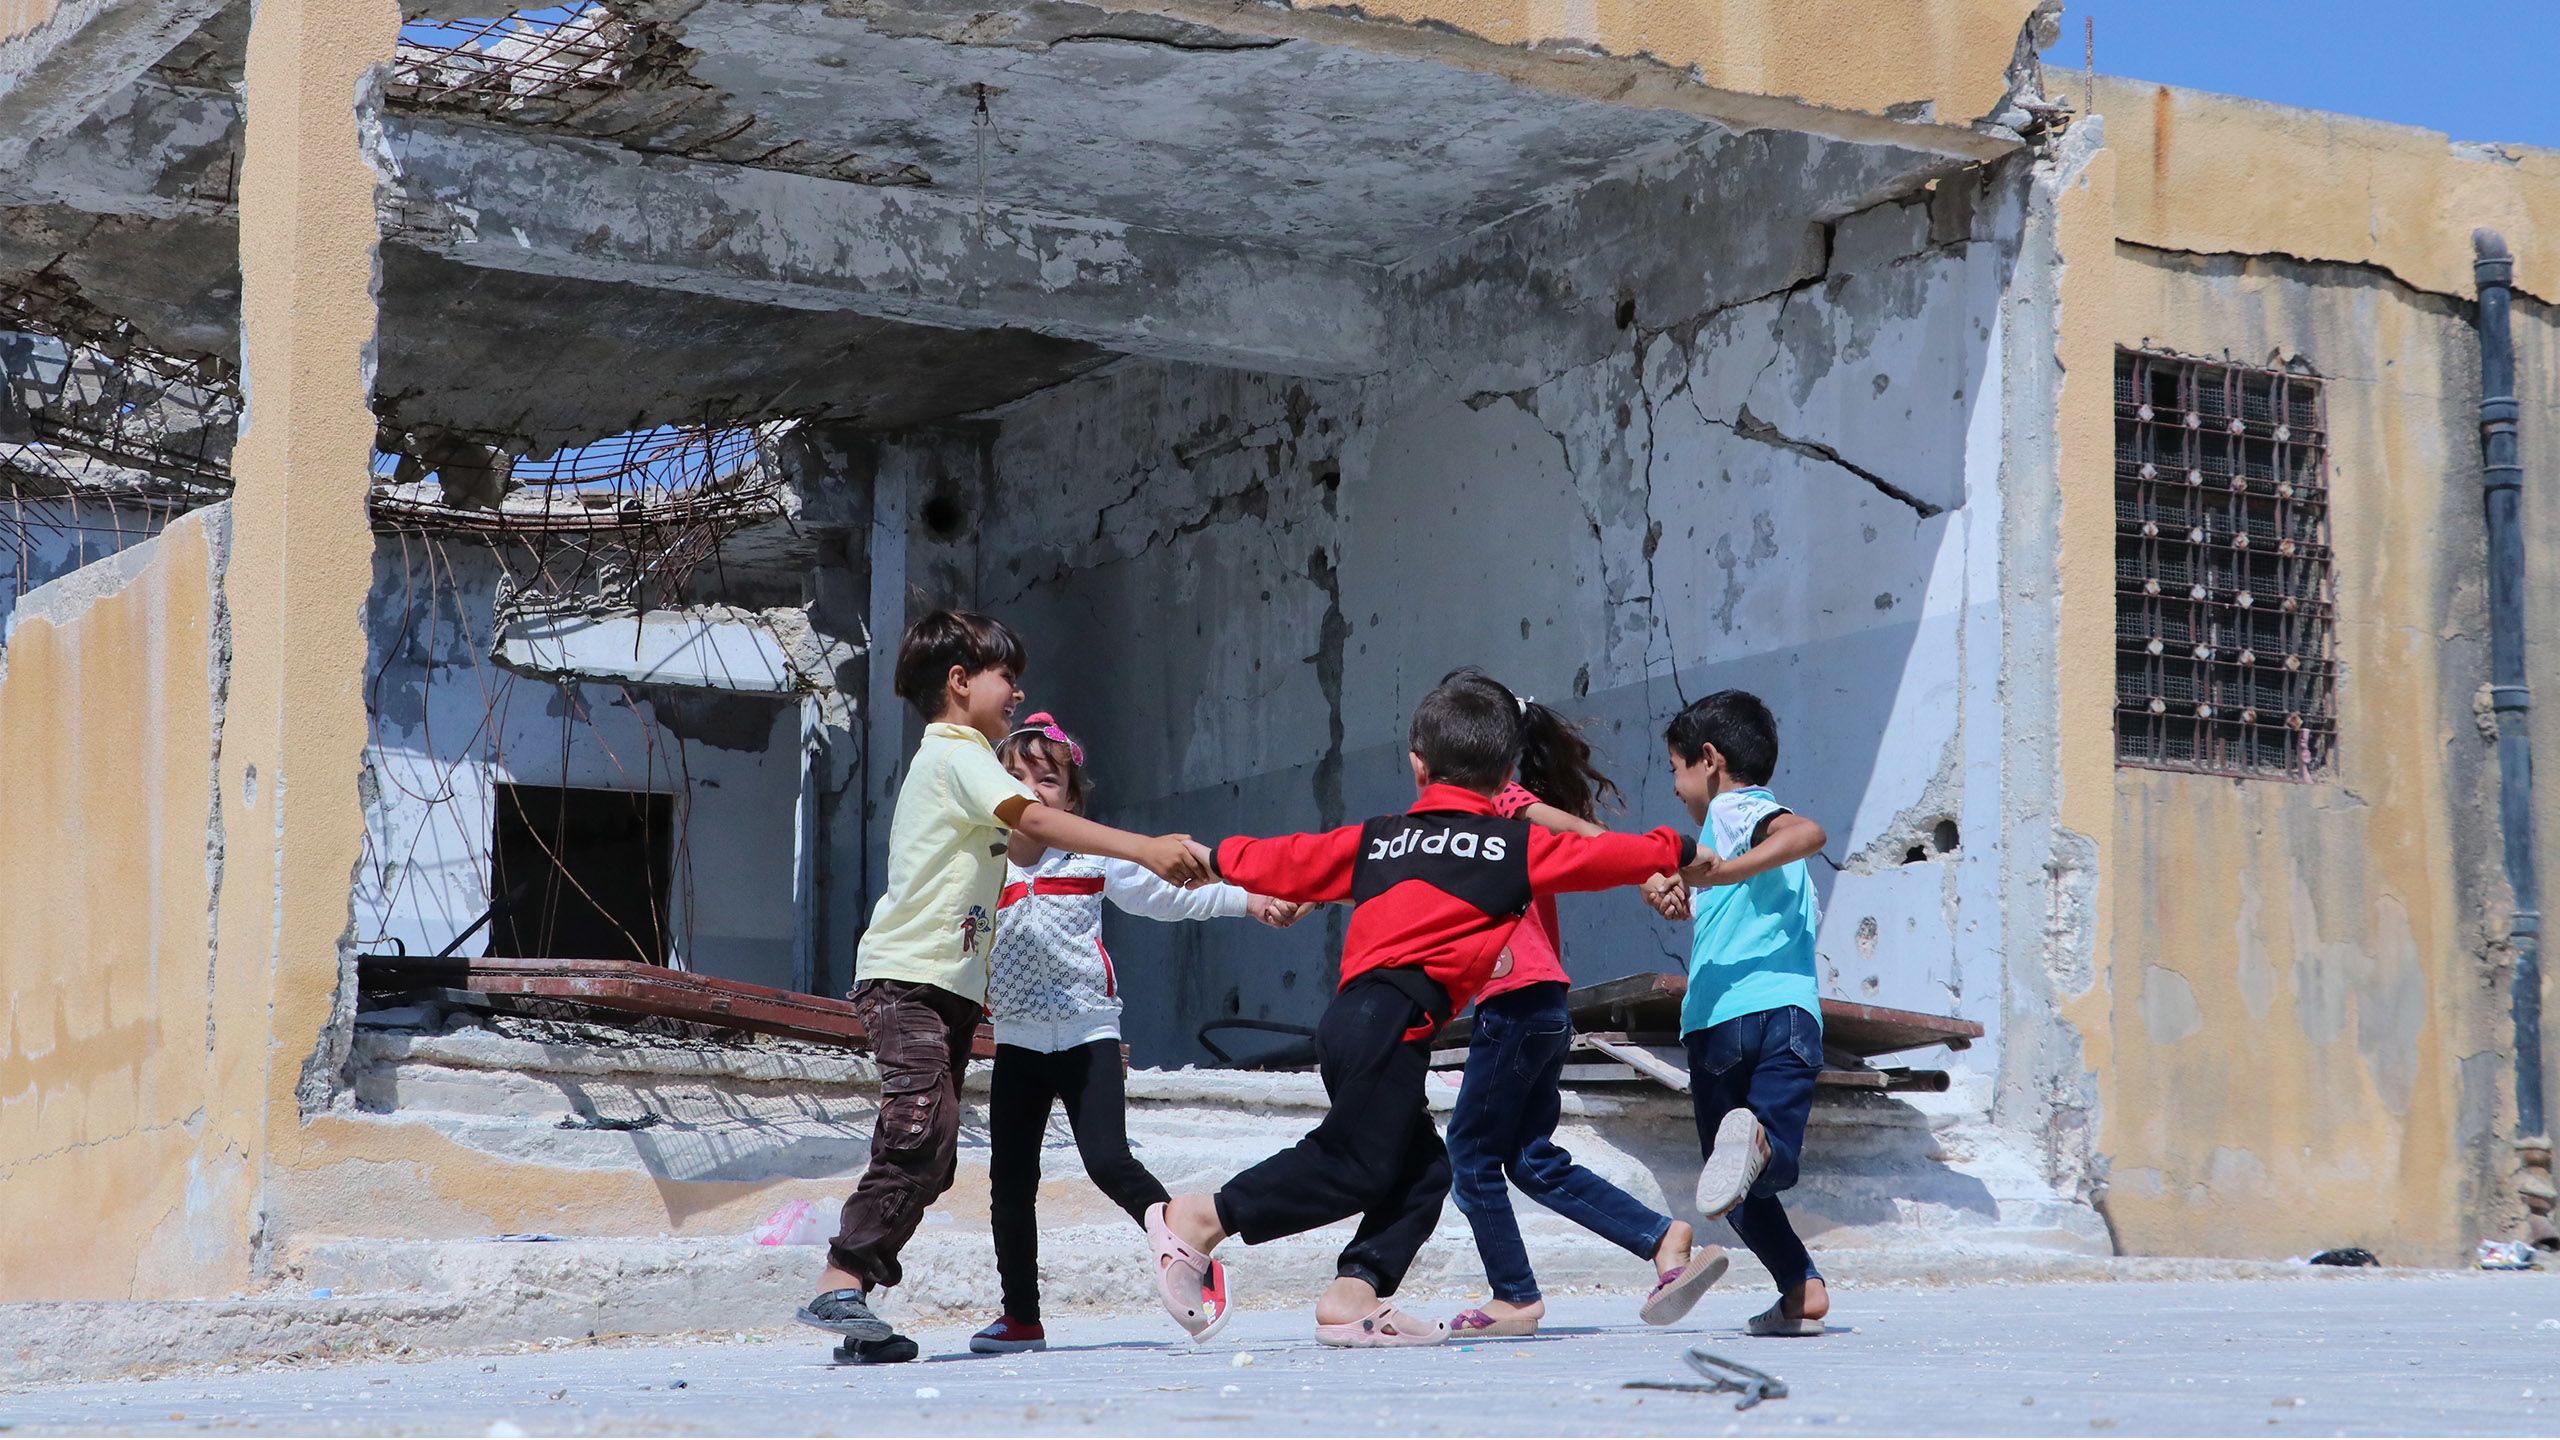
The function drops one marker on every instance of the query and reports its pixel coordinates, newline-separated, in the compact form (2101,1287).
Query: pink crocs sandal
(1381,1328)
(1191,1286)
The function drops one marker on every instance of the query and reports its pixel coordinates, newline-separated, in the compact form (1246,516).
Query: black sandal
(847,1313)
(896,1350)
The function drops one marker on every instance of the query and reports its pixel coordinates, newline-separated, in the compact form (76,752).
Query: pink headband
(1045,725)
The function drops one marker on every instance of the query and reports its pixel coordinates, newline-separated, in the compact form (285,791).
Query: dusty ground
(2325,1354)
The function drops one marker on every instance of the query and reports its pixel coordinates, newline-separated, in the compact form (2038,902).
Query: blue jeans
(1766,1061)
(1504,1126)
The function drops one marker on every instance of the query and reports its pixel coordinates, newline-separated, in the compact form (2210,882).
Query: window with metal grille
(2223,602)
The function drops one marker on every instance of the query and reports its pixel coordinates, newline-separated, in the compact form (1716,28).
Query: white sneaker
(1736,1161)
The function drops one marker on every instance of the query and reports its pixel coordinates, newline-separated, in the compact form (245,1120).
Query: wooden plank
(1650,1004)
(1628,990)
(1640,1058)
(632,987)
(1871,1030)
(1594,1007)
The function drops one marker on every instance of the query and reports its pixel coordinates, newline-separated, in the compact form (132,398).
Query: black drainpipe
(2502,491)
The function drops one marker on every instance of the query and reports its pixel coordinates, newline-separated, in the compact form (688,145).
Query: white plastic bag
(2506,1255)
(798,1223)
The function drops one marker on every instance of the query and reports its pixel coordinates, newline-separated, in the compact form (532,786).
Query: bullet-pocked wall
(1723,419)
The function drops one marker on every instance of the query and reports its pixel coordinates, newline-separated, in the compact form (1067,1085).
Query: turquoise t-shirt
(1750,945)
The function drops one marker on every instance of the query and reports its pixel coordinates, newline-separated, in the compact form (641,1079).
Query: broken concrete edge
(379,1039)
(58,72)
(1586,73)
(67,597)
(2047,1091)
(787,654)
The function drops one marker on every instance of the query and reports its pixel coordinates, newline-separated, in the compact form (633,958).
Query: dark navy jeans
(1765,1061)
(1504,1126)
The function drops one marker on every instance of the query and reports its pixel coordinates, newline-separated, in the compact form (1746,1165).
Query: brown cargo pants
(920,1037)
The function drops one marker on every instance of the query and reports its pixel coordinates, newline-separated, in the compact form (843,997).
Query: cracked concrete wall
(2053,673)
(2323,186)
(1762,463)
(130,1176)
(450,725)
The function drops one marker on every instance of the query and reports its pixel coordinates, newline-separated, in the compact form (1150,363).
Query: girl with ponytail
(1502,1132)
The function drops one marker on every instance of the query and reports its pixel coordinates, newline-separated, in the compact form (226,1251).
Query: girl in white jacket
(1056,1003)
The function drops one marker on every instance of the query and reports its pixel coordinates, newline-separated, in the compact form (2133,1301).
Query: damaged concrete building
(462,476)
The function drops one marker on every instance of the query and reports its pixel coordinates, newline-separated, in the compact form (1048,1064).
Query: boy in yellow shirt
(920,972)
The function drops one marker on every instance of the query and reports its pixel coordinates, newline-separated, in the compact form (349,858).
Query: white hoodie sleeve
(1139,891)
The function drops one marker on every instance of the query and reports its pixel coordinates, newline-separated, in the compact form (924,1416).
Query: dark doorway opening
(586,873)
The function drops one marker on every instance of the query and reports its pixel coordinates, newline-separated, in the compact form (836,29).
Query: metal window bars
(2225,617)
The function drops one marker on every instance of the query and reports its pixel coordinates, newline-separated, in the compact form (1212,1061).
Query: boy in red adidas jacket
(1435,893)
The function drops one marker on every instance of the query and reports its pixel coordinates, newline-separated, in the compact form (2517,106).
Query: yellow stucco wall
(2220,174)
(18,17)
(302,552)
(1849,54)
(126,1172)
(2295,1041)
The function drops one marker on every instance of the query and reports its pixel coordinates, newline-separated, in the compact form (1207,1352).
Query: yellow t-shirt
(936,919)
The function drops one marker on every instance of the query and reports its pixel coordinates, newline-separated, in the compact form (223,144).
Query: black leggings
(1027,1082)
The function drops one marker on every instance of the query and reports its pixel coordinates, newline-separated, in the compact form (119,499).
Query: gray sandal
(1774,1323)
(846,1313)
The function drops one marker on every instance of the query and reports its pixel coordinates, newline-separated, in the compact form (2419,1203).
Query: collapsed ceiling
(887,212)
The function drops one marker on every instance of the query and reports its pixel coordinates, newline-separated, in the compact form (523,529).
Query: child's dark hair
(1035,742)
(1467,731)
(1555,764)
(946,638)
(1738,724)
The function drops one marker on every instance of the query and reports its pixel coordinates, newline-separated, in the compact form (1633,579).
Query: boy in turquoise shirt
(1752,1021)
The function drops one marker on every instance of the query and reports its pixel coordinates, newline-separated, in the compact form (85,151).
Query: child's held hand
(1704,871)
(1278,914)
(1668,897)
(1178,860)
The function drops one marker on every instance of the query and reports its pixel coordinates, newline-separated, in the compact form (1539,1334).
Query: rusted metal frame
(1610,1017)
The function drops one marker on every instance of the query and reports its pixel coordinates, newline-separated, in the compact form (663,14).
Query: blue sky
(2475,69)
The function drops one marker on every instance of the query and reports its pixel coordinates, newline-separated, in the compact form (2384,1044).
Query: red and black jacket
(1437,889)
